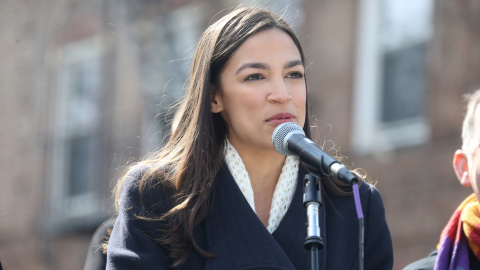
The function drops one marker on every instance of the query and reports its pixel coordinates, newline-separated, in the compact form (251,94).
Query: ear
(460,165)
(216,99)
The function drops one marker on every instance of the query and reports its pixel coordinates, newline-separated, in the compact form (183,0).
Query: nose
(279,92)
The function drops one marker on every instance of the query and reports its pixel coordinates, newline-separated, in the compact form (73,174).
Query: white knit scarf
(284,190)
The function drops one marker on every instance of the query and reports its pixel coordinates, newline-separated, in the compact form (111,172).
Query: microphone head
(282,133)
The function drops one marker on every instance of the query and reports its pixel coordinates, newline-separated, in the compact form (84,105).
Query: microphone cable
(361,226)
(345,175)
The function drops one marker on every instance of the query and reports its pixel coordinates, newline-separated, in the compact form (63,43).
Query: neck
(263,167)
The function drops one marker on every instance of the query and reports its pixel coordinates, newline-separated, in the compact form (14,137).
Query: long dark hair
(193,155)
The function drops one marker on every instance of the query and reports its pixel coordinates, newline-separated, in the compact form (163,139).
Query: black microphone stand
(312,200)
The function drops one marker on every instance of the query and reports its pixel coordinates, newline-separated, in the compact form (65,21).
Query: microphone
(289,139)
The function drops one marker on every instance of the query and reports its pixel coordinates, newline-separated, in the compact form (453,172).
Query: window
(76,140)
(390,88)
(164,62)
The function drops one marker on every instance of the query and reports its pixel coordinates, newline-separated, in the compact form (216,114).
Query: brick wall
(418,185)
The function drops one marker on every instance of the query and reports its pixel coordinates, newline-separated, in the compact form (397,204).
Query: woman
(218,195)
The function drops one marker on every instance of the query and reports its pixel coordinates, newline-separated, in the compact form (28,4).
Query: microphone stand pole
(312,200)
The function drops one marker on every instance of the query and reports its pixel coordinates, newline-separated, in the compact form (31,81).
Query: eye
(253,77)
(295,75)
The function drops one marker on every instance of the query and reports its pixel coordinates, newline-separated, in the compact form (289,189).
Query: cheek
(248,101)
(299,91)
(242,107)
(300,104)
(300,99)
(474,170)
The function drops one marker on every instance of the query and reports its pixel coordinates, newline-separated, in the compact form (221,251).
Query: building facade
(87,87)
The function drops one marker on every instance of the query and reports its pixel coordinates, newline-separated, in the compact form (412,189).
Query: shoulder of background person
(97,257)
(426,263)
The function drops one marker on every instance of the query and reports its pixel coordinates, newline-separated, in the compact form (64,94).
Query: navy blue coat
(233,232)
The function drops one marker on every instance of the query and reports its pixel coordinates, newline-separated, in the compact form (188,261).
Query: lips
(281,118)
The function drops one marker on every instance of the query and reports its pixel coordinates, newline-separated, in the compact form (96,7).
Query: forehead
(265,44)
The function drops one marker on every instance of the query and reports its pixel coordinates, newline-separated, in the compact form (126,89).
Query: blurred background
(87,86)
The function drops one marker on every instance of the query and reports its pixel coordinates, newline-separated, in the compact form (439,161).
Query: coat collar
(239,239)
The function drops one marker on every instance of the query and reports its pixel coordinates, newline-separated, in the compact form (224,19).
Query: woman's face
(261,86)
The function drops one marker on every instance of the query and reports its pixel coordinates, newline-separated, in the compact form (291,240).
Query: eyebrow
(258,65)
(293,63)
(252,65)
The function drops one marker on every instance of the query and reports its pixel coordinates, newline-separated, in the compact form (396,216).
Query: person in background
(459,246)
(218,195)
(97,255)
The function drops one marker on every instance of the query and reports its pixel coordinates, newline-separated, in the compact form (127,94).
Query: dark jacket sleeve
(378,241)
(131,245)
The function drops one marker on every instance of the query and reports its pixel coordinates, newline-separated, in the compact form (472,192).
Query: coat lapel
(239,239)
